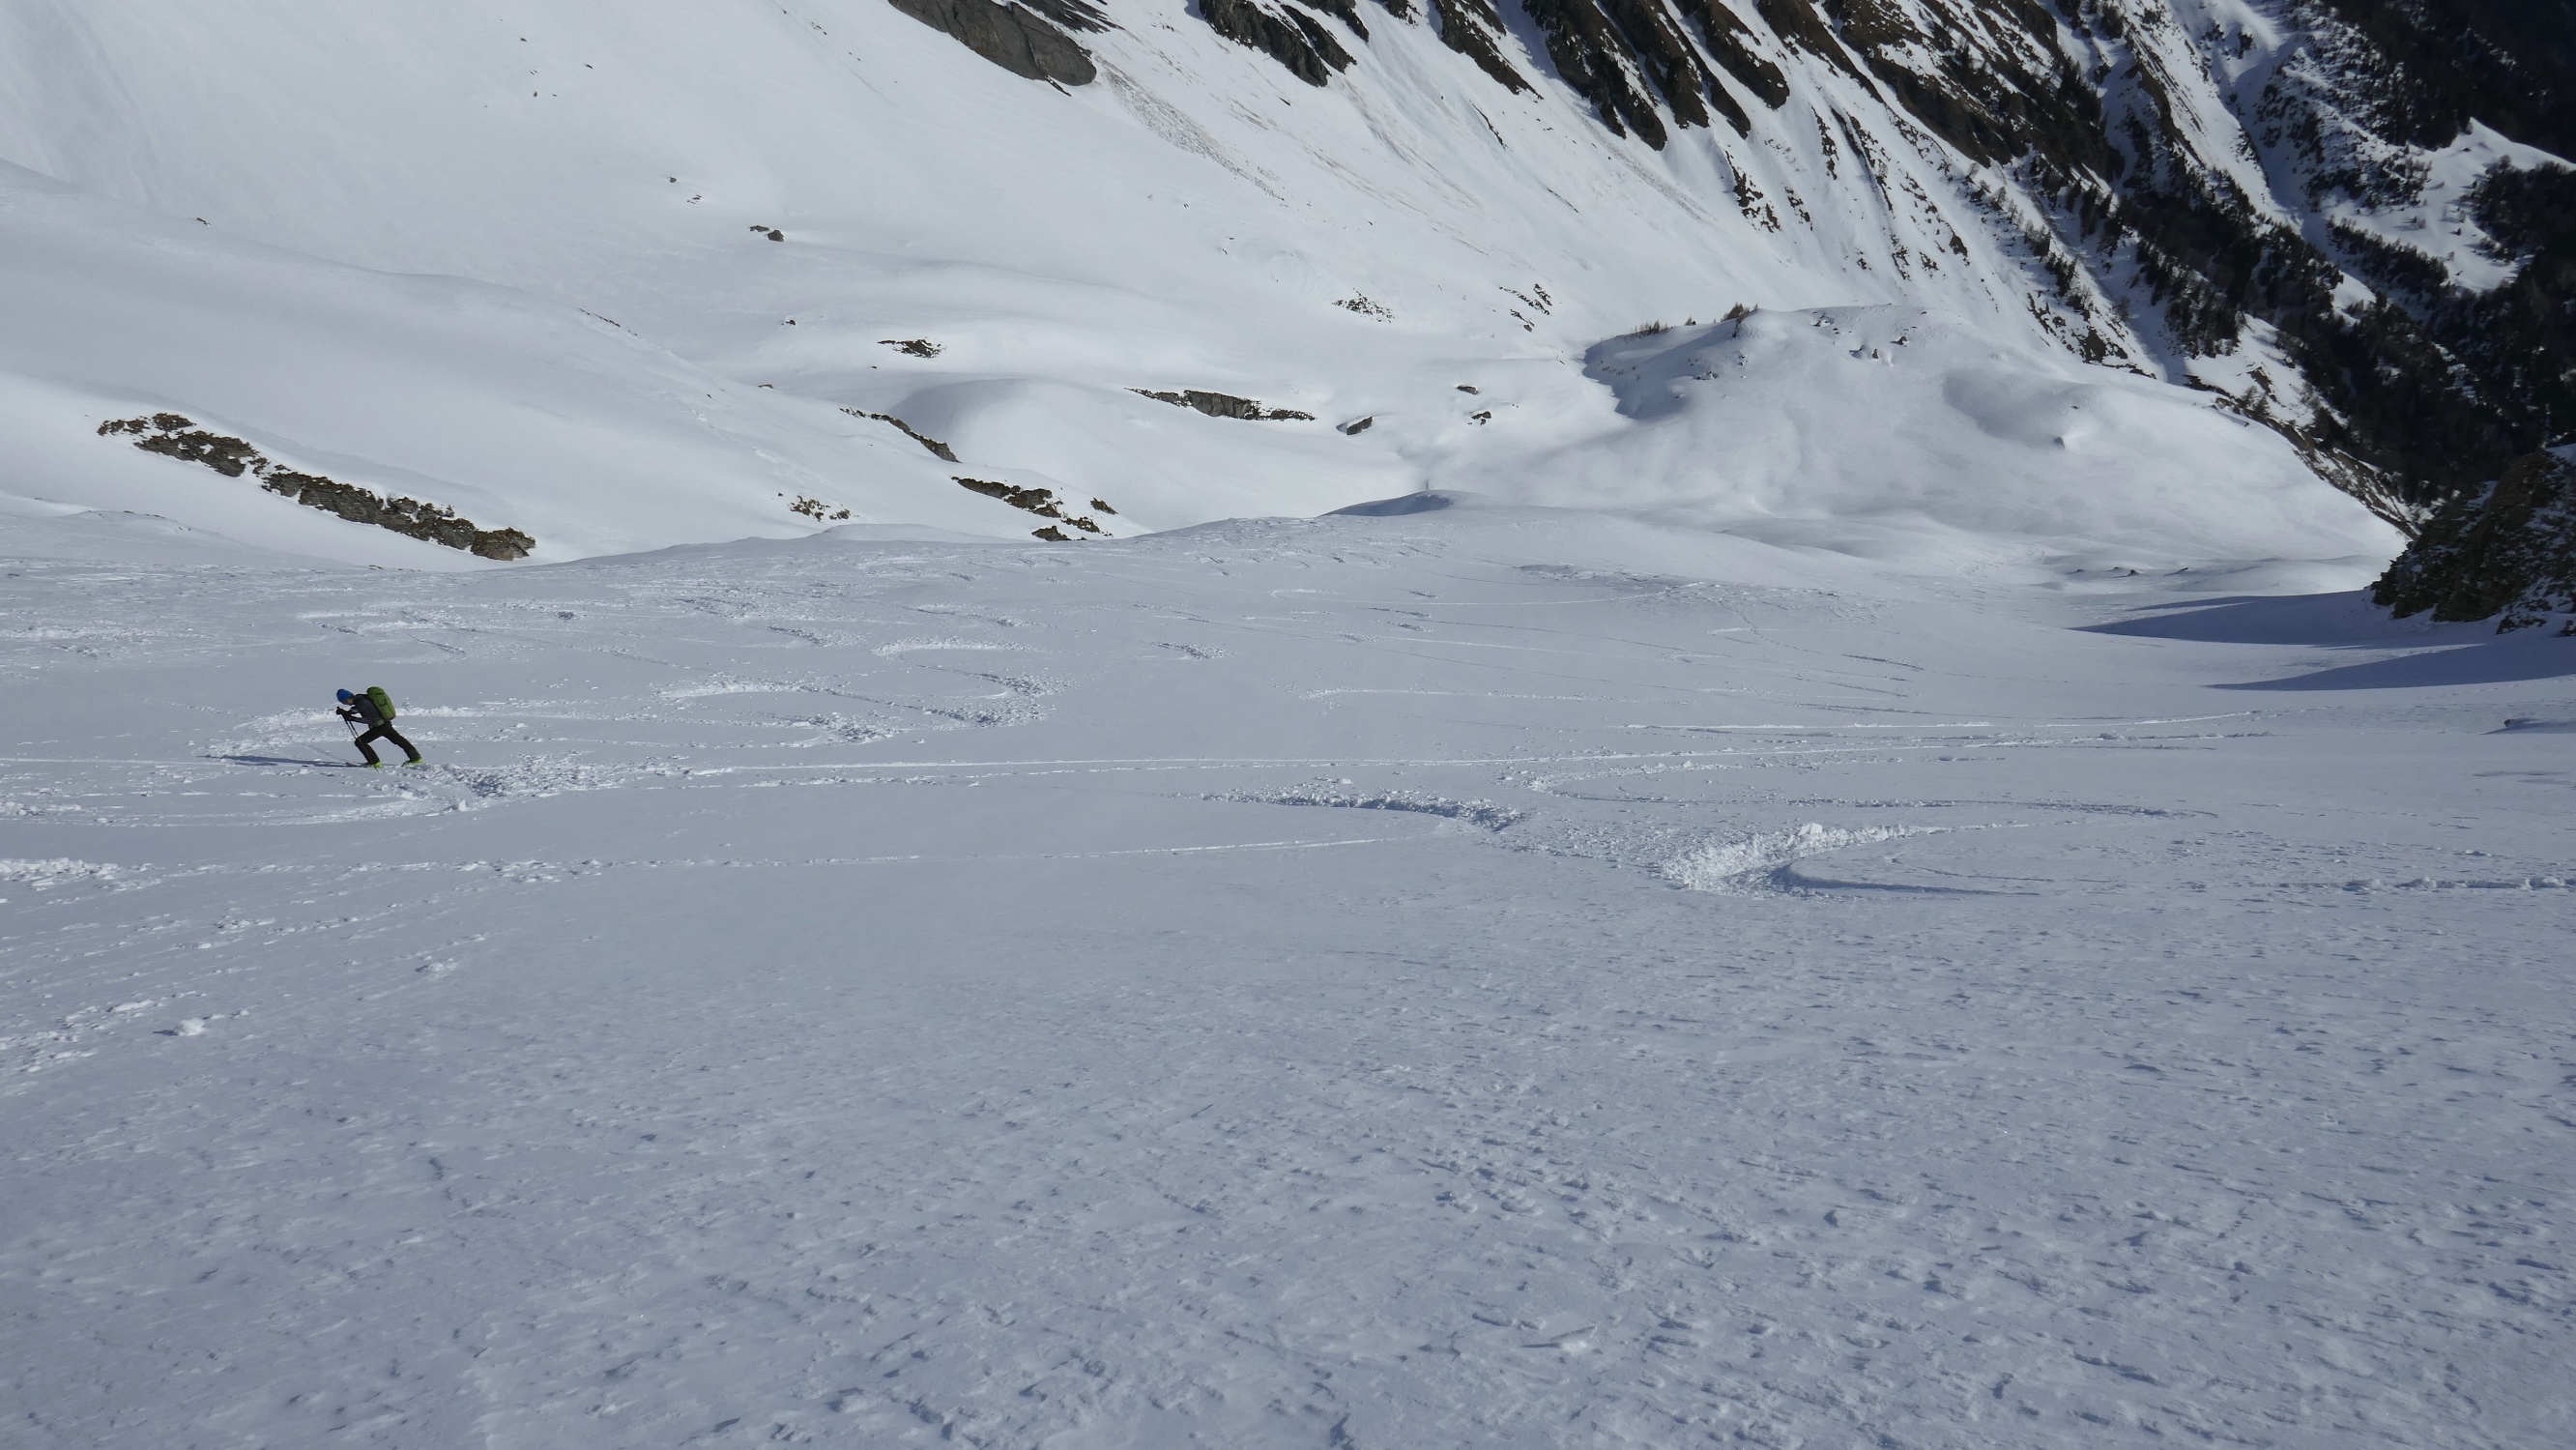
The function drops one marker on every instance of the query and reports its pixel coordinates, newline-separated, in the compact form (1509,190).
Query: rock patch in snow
(175,436)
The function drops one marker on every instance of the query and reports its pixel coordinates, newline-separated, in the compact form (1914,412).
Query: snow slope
(1829,876)
(508,410)
(1898,434)
(1456,974)
(520,265)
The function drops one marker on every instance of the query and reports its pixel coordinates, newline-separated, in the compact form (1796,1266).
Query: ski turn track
(1334,985)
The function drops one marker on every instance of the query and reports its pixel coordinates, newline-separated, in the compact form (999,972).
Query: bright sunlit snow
(1723,844)
(526,274)
(1386,980)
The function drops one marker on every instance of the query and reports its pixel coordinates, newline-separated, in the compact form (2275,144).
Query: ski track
(746,1037)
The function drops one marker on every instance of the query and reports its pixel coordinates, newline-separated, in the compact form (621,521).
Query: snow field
(1363,981)
(1459,973)
(526,275)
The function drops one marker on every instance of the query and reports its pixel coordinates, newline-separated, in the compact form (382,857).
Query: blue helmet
(346,697)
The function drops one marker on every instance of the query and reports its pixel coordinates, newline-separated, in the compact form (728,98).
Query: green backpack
(383,702)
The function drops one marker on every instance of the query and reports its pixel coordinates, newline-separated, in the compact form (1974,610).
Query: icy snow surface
(1407,979)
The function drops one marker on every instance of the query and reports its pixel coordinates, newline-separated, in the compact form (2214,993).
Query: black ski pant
(367,742)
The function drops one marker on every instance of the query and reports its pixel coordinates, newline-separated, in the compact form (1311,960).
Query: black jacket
(362,710)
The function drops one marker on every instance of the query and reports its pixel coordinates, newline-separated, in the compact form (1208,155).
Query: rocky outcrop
(1729,42)
(1345,12)
(937,448)
(1797,23)
(1039,501)
(1469,27)
(174,436)
(1225,405)
(1286,34)
(2506,552)
(1594,59)
(1073,14)
(1019,39)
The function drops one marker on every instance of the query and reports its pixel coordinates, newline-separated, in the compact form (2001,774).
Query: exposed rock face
(1345,12)
(2507,551)
(1039,501)
(937,449)
(1225,405)
(174,436)
(1023,41)
(1589,49)
(1729,42)
(1286,34)
(1469,27)
(1072,14)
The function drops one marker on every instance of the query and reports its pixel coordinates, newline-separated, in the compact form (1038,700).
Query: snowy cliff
(726,269)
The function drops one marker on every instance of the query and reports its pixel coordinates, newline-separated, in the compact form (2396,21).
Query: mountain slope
(1345,212)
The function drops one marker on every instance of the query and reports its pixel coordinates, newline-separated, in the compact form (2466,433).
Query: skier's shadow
(283,760)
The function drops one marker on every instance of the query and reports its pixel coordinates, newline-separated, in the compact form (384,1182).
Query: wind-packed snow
(1401,979)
